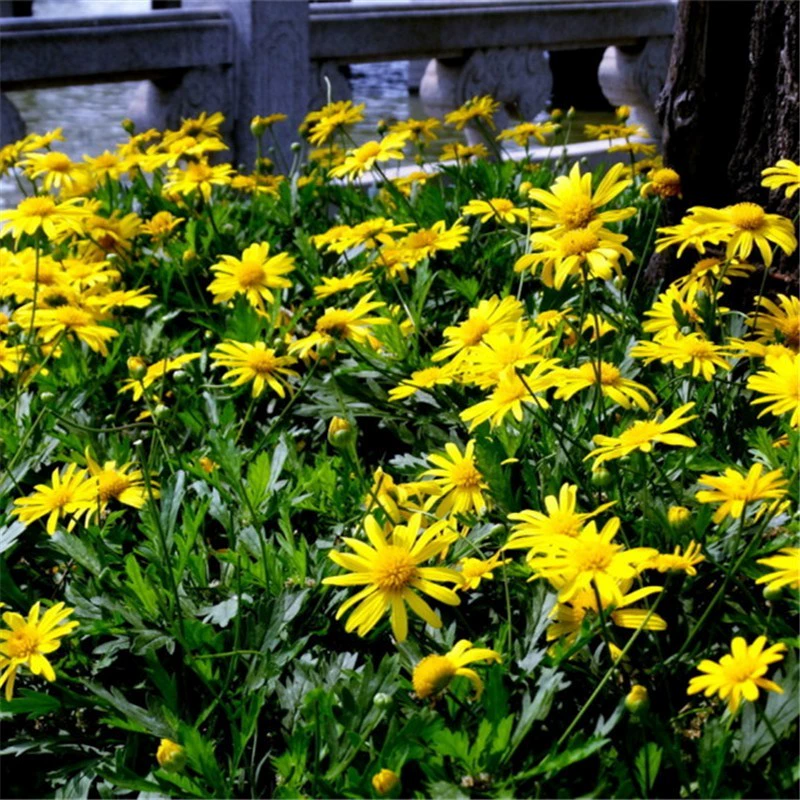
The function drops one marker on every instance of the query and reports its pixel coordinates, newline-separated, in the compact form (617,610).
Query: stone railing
(247,57)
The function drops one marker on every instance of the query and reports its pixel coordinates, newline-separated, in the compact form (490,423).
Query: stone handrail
(247,57)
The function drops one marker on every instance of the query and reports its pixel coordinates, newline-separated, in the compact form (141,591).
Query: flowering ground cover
(415,489)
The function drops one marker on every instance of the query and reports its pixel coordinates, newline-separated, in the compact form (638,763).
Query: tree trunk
(729,107)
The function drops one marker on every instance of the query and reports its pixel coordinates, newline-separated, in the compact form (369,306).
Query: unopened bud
(637,700)
(341,433)
(382,700)
(384,781)
(679,518)
(296,147)
(601,478)
(128,126)
(171,756)
(622,113)
(137,367)
(772,592)
(257,126)
(189,255)
(570,112)
(524,188)
(556,114)
(160,411)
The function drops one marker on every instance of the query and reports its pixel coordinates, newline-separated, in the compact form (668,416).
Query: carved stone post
(12,126)
(518,77)
(635,77)
(270,74)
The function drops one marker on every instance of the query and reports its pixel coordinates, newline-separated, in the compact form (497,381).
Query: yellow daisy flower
(745,225)
(420,130)
(434,673)
(342,324)
(389,570)
(482,108)
(739,674)
(331,286)
(786,569)
(778,321)
(59,170)
(589,560)
(421,379)
(592,252)
(254,275)
(123,483)
(156,372)
(642,435)
(198,176)
(28,642)
(71,494)
(784,173)
(608,377)
(497,208)
(560,518)
(324,123)
(663,183)
(735,490)
(426,242)
(459,480)
(42,212)
(570,202)
(780,385)
(254,363)
(51,323)
(490,316)
(525,131)
(672,347)
(475,570)
(677,561)
(456,151)
(568,617)
(363,158)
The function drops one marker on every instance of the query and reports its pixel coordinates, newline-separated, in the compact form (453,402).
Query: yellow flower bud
(622,113)
(524,188)
(341,433)
(570,112)
(171,756)
(637,701)
(257,126)
(128,126)
(384,781)
(137,367)
(679,518)
(207,465)
(189,255)
(556,114)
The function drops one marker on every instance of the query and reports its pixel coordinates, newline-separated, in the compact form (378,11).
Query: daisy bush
(334,479)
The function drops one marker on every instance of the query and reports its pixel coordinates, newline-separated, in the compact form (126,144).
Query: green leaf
(33,704)
(648,762)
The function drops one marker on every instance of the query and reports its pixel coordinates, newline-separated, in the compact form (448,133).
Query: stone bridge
(248,57)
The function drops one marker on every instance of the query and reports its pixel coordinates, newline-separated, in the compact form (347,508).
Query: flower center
(197,173)
(501,205)
(22,643)
(642,431)
(609,374)
(790,329)
(432,675)
(71,317)
(250,274)
(420,239)
(395,569)
(595,556)
(57,162)
(740,670)
(578,242)
(565,523)
(472,330)
(368,151)
(465,476)
(699,349)
(748,216)
(576,211)
(262,362)
(111,485)
(510,392)
(37,207)
(334,323)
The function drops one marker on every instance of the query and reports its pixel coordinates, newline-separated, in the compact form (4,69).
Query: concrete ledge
(39,53)
(453,27)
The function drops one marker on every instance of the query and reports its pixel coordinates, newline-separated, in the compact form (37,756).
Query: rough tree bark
(730,105)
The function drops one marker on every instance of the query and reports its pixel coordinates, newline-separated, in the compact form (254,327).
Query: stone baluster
(270,75)
(518,77)
(634,76)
